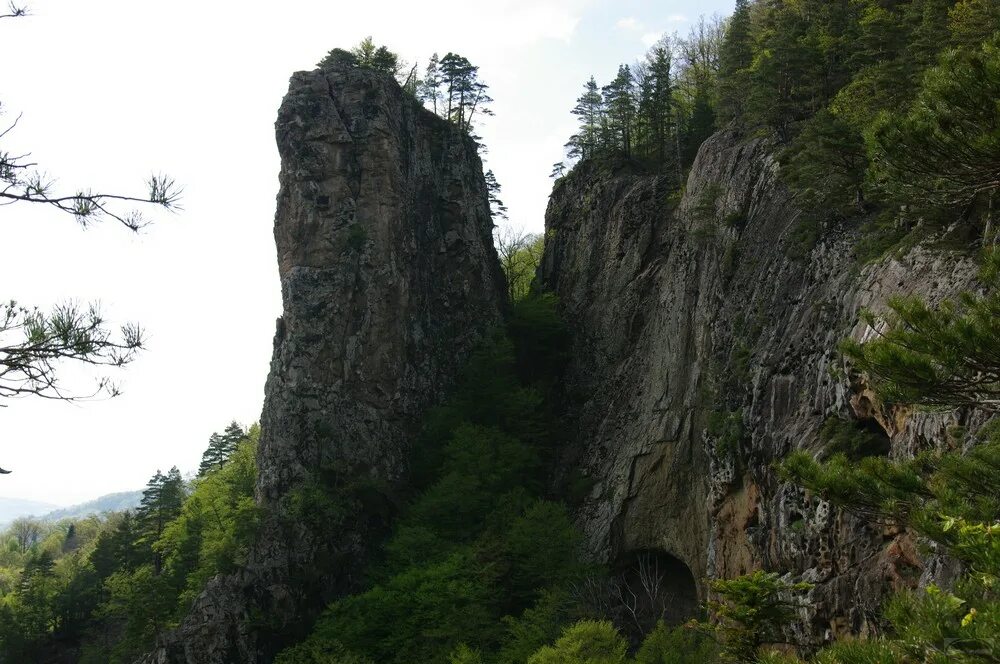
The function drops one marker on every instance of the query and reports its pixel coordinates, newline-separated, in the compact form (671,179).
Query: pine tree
(972,22)
(660,111)
(497,209)
(115,548)
(700,126)
(780,76)
(933,356)
(750,611)
(590,110)
(214,455)
(735,58)
(161,502)
(430,87)
(367,55)
(221,447)
(458,76)
(619,97)
(232,436)
(944,152)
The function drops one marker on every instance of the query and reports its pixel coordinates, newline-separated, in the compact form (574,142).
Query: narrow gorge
(704,331)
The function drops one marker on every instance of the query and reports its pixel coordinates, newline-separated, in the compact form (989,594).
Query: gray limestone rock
(682,306)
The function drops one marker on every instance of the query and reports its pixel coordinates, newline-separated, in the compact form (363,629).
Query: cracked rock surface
(389,280)
(709,302)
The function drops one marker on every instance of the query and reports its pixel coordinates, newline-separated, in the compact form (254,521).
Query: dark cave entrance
(648,586)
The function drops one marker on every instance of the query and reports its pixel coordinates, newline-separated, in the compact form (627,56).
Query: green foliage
(735,59)
(657,112)
(676,645)
(221,447)
(859,652)
(825,165)
(586,642)
(936,356)
(465,655)
(937,626)
(598,642)
(215,525)
(944,153)
(541,340)
(520,255)
(541,546)
(538,625)
(830,78)
(420,614)
(367,55)
(476,543)
(456,92)
(941,356)
(776,657)
(316,652)
(480,466)
(882,234)
(750,612)
(103,588)
(141,602)
(728,430)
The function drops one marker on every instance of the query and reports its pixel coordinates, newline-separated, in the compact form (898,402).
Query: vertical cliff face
(705,334)
(388,274)
(389,279)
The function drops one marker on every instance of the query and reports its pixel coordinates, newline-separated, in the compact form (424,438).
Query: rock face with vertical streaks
(389,280)
(705,334)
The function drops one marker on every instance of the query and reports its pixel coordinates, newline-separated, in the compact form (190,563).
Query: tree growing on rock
(367,55)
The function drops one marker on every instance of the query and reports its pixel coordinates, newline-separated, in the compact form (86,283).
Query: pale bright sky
(112,90)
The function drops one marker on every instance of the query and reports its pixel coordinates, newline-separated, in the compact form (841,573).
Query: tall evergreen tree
(735,58)
(161,502)
(619,96)
(589,110)
(458,76)
(429,90)
(660,106)
(232,436)
(497,209)
(221,447)
(214,455)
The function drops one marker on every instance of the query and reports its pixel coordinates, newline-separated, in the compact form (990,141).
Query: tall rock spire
(389,279)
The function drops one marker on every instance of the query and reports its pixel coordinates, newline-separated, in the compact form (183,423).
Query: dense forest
(100,589)
(882,110)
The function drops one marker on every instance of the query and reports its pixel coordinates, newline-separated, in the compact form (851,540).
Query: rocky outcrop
(705,333)
(389,279)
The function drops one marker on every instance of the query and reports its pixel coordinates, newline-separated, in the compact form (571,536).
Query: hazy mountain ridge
(15,508)
(111,502)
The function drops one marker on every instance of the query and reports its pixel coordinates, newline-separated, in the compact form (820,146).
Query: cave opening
(651,585)
(877,441)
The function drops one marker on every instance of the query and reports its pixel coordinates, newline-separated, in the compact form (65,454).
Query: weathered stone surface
(389,279)
(710,301)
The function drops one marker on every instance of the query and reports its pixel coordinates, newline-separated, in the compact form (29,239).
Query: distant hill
(112,502)
(12,508)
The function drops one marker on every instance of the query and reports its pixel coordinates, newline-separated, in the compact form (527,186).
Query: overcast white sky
(111,90)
